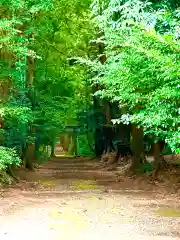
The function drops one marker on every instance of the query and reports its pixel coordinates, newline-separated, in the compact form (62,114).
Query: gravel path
(69,199)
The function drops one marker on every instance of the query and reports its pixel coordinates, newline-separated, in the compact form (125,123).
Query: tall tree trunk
(29,76)
(158,158)
(75,145)
(37,146)
(99,130)
(99,141)
(108,128)
(28,155)
(137,147)
(52,148)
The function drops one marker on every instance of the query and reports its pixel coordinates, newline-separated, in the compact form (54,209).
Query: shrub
(8,156)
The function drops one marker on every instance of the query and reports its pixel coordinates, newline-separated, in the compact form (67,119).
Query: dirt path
(71,199)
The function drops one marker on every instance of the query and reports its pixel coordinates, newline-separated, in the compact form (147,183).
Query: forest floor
(68,199)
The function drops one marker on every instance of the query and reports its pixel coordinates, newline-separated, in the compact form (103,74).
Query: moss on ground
(86,185)
(168,212)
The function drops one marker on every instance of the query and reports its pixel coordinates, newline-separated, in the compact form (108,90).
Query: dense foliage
(40,92)
(142,45)
(130,55)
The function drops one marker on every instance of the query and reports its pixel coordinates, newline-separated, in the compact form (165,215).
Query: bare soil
(75,199)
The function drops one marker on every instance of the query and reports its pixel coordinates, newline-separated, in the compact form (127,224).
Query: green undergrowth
(5,179)
(8,157)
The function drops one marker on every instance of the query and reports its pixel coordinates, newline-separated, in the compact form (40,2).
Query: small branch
(51,45)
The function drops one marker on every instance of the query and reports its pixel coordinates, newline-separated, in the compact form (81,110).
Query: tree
(38,84)
(142,67)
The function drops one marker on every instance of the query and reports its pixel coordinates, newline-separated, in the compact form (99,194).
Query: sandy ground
(71,199)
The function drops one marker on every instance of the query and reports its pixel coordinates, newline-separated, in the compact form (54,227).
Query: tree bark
(137,147)
(29,80)
(37,146)
(52,148)
(99,141)
(28,155)
(158,158)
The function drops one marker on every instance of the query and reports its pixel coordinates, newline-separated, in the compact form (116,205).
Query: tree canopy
(141,73)
(63,62)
